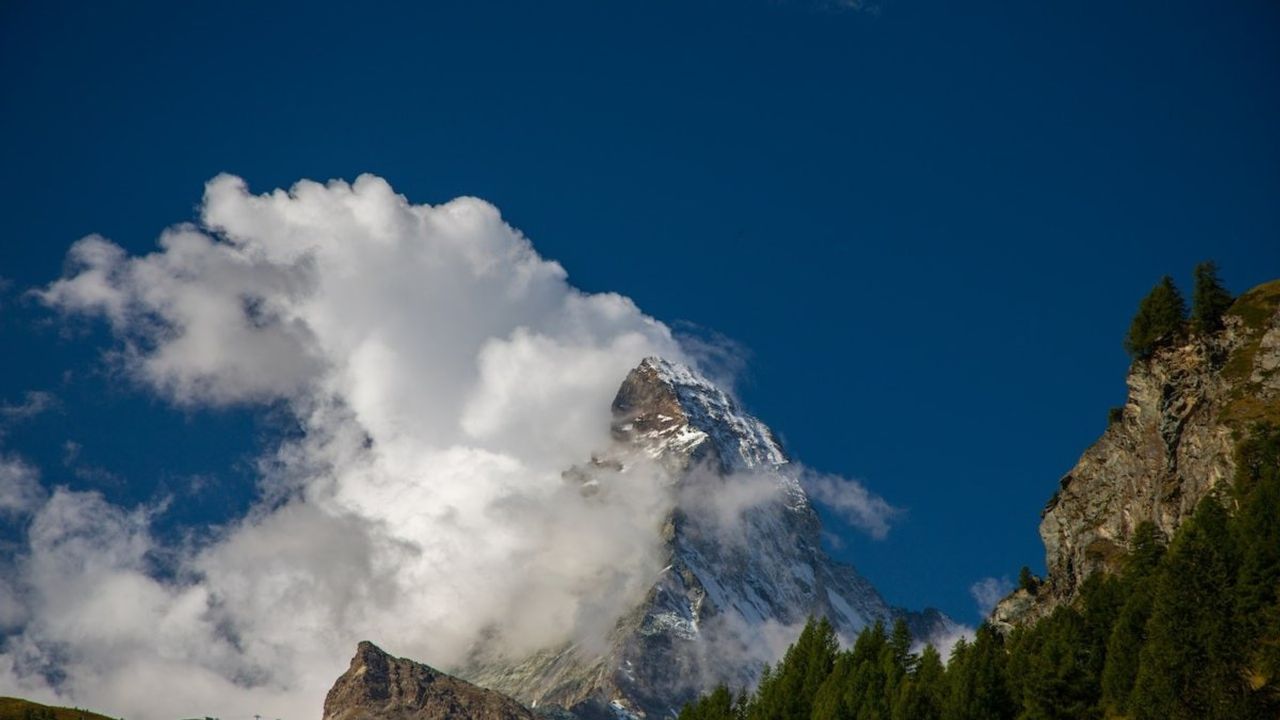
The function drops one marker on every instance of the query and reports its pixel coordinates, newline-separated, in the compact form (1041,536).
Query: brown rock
(378,686)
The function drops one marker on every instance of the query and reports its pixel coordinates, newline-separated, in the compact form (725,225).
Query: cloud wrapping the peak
(443,375)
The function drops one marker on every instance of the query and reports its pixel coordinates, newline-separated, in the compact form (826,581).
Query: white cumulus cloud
(443,374)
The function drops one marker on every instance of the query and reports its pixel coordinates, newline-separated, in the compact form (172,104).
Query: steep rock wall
(1187,406)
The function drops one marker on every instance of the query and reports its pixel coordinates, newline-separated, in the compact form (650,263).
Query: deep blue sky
(928,224)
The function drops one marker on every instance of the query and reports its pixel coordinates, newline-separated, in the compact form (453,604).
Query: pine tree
(1256,490)
(1058,684)
(1160,318)
(787,693)
(1101,599)
(900,660)
(856,688)
(828,703)
(1257,535)
(1189,666)
(921,696)
(719,704)
(1129,630)
(1209,300)
(977,681)
(1026,580)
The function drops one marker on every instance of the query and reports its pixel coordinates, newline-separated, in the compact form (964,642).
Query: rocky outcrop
(378,686)
(1171,444)
(736,584)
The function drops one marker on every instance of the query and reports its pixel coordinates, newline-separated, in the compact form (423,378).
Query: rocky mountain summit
(378,686)
(1172,442)
(732,589)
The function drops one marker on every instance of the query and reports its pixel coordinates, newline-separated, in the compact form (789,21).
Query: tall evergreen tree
(719,704)
(1209,300)
(788,691)
(899,661)
(1059,682)
(1257,534)
(921,697)
(856,688)
(828,703)
(1129,630)
(1160,319)
(978,687)
(1189,666)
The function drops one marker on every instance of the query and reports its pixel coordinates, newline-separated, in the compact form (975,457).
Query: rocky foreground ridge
(1171,443)
(378,686)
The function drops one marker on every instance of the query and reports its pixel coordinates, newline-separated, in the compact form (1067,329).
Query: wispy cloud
(989,591)
(851,501)
(33,403)
(20,490)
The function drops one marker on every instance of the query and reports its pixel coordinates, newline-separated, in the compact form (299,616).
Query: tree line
(1162,315)
(1188,629)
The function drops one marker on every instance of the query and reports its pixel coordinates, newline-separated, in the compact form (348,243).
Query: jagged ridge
(722,591)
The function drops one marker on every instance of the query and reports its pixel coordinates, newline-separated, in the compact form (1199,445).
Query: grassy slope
(1255,309)
(18,709)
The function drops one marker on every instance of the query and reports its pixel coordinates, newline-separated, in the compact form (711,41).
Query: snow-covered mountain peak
(743,565)
(675,413)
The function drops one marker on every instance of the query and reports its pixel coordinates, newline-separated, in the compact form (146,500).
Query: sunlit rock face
(1174,440)
(378,686)
(743,562)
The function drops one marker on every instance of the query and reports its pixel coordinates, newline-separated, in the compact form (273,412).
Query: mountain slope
(736,584)
(1187,406)
(19,709)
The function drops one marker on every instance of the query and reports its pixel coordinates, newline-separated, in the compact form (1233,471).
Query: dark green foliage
(1159,320)
(1026,580)
(720,704)
(1051,669)
(1188,666)
(978,685)
(1256,491)
(1129,631)
(858,687)
(1187,631)
(922,695)
(787,692)
(1209,300)
(1146,550)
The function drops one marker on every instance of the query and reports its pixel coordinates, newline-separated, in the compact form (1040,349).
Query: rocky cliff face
(736,585)
(380,687)
(1173,442)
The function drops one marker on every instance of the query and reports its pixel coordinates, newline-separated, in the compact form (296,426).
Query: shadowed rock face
(1174,441)
(380,687)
